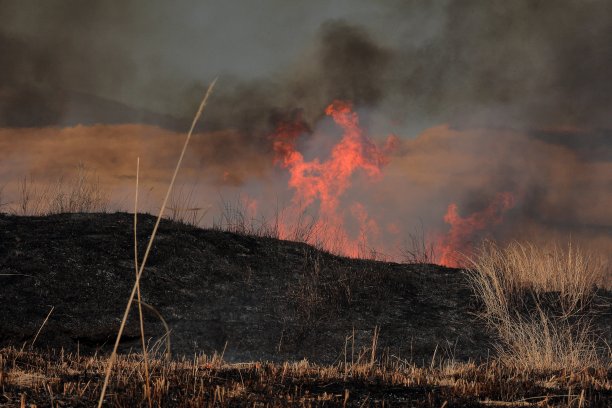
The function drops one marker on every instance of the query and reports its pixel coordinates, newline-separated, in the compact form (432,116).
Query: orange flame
(326,181)
(458,241)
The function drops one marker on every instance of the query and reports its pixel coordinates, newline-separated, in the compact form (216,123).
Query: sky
(501,109)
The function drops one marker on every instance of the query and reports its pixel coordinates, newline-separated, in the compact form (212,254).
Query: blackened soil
(257,298)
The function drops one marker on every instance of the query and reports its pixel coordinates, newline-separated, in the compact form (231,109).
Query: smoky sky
(486,96)
(520,63)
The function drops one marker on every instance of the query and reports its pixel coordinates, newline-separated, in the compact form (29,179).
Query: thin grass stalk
(41,327)
(166,336)
(150,244)
(142,331)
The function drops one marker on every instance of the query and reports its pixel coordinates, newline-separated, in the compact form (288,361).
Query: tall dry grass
(3,203)
(418,249)
(78,194)
(539,302)
(33,198)
(235,216)
(183,207)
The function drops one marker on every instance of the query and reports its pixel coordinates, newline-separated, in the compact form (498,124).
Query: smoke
(485,98)
(555,193)
(345,65)
(27,96)
(520,64)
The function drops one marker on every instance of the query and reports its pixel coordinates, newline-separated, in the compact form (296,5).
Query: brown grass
(538,300)
(3,203)
(79,194)
(418,249)
(184,208)
(234,216)
(61,379)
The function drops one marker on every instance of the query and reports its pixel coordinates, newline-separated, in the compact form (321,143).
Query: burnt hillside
(259,298)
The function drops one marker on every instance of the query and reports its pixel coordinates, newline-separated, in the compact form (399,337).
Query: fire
(458,241)
(325,182)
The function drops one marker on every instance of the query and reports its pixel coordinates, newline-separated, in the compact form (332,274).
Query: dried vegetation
(78,194)
(540,301)
(45,380)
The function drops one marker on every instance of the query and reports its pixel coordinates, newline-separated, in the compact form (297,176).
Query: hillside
(257,298)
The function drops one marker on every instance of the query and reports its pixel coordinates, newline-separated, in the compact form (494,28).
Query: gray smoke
(521,64)
(525,83)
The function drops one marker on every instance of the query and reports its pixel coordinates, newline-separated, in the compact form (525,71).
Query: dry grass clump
(33,198)
(238,216)
(83,193)
(542,341)
(183,207)
(568,271)
(79,194)
(3,203)
(539,302)
(418,249)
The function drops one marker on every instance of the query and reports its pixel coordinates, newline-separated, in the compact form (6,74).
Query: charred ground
(267,299)
(257,298)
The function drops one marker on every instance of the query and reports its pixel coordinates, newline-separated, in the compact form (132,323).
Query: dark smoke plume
(346,64)
(488,97)
(28,92)
(524,63)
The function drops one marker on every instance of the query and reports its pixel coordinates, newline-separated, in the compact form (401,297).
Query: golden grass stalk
(41,326)
(142,332)
(150,244)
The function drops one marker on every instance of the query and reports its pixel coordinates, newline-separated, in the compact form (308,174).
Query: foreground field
(59,380)
(524,326)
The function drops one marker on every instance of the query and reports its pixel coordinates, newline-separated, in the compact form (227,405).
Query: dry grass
(542,341)
(69,380)
(3,203)
(418,249)
(184,208)
(539,303)
(79,194)
(82,193)
(33,198)
(235,216)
